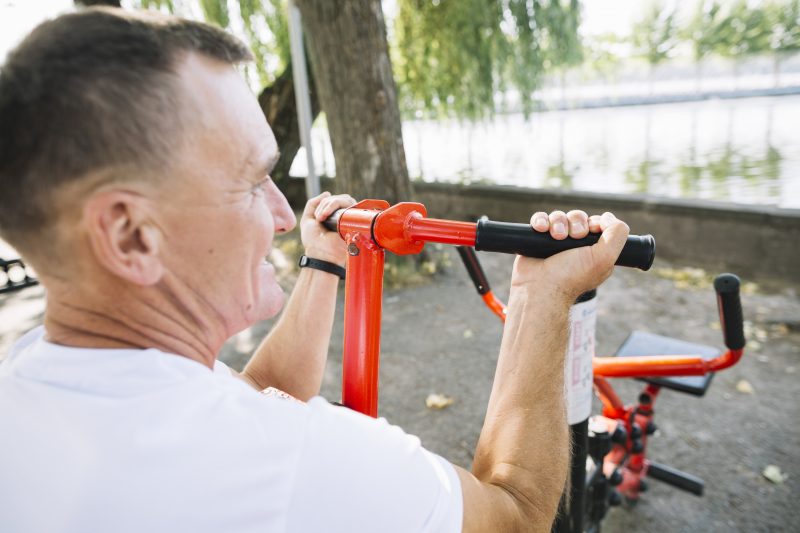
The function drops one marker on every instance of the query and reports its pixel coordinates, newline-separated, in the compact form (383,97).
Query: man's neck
(155,318)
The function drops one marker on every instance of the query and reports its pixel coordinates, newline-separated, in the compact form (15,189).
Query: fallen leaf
(781,330)
(748,287)
(774,474)
(429,267)
(744,387)
(438,401)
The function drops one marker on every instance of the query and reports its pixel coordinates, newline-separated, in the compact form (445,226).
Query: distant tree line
(730,29)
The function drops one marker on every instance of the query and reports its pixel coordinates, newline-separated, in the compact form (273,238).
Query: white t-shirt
(146,441)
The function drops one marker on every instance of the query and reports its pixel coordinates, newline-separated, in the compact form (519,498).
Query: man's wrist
(323,255)
(322,265)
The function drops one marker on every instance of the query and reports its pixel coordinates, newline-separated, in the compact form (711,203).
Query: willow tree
(454,57)
(744,31)
(704,32)
(785,38)
(655,36)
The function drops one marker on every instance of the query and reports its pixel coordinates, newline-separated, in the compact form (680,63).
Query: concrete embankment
(759,242)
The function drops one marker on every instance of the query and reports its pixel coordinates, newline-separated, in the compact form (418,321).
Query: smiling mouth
(278,260)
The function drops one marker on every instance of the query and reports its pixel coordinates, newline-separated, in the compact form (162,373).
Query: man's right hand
(522,458)
(576,271)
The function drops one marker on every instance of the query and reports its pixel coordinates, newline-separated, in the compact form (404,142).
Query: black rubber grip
(474,269)
(730,310)
(522,239)
(676,478)
(332,222)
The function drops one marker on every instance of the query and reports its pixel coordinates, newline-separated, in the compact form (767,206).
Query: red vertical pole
(362,323)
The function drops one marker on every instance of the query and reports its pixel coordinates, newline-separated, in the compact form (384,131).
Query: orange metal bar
(362,303)
(662,365)
(648,365)
(443,231)
(728,359)
(493,302)
(362,325)
(612,405)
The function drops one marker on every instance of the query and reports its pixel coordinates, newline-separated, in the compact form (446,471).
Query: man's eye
(261,185)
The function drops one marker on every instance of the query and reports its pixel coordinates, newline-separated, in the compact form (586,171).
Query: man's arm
(522,456)
(292,357)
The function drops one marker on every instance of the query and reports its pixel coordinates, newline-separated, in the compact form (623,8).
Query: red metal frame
(372,226)
(369,228)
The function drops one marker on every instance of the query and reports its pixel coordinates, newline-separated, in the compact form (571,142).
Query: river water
(739,150)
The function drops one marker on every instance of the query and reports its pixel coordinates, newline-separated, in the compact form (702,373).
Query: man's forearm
(524,447)
(292,357)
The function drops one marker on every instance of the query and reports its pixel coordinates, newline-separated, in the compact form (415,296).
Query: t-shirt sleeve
(356,473)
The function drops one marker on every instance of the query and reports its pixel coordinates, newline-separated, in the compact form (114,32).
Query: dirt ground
(439,338)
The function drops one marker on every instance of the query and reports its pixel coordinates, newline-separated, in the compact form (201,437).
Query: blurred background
(686,110)
(690,99)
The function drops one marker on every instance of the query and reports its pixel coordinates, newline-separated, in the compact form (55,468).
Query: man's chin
(271,304)
(272,296)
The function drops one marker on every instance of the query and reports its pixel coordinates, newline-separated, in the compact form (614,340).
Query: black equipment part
(522,239)
(676,478)
(474,269)
(730,310)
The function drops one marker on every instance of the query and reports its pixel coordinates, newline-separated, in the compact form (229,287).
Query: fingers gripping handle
(639,250)
(332,222)
(730,310)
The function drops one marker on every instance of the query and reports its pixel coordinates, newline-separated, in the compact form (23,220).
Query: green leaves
(262,24)
(452,57)
(785,17)
(739,29)
(459,57)
(157,4)
(656,34)
(216,11)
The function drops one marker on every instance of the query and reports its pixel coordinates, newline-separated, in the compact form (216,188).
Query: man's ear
(123,237)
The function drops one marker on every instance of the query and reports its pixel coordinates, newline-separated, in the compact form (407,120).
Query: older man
(134,176)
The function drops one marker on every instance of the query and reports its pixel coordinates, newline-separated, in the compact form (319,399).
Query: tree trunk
(280,107)
(350,61)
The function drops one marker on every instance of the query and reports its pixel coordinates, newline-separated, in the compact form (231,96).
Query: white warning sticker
(578,369)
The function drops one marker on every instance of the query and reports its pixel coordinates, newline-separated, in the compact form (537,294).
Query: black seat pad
(643,343)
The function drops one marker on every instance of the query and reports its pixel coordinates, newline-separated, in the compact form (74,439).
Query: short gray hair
(91,92)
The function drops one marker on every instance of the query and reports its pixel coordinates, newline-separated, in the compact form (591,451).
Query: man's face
(220,212)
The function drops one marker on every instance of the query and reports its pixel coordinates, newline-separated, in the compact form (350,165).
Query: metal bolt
(352,249)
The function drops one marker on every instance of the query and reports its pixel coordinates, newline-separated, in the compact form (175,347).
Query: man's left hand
(319,242)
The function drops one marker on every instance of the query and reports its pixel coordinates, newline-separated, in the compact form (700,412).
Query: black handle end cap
(727,284)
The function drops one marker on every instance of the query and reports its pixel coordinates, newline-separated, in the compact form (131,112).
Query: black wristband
(319,264)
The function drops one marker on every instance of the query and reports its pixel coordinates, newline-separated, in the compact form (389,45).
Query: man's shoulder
(24,342)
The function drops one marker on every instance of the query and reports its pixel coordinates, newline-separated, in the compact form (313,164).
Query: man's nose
(281,211)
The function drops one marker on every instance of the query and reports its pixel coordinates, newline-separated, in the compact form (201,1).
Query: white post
(300,75)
